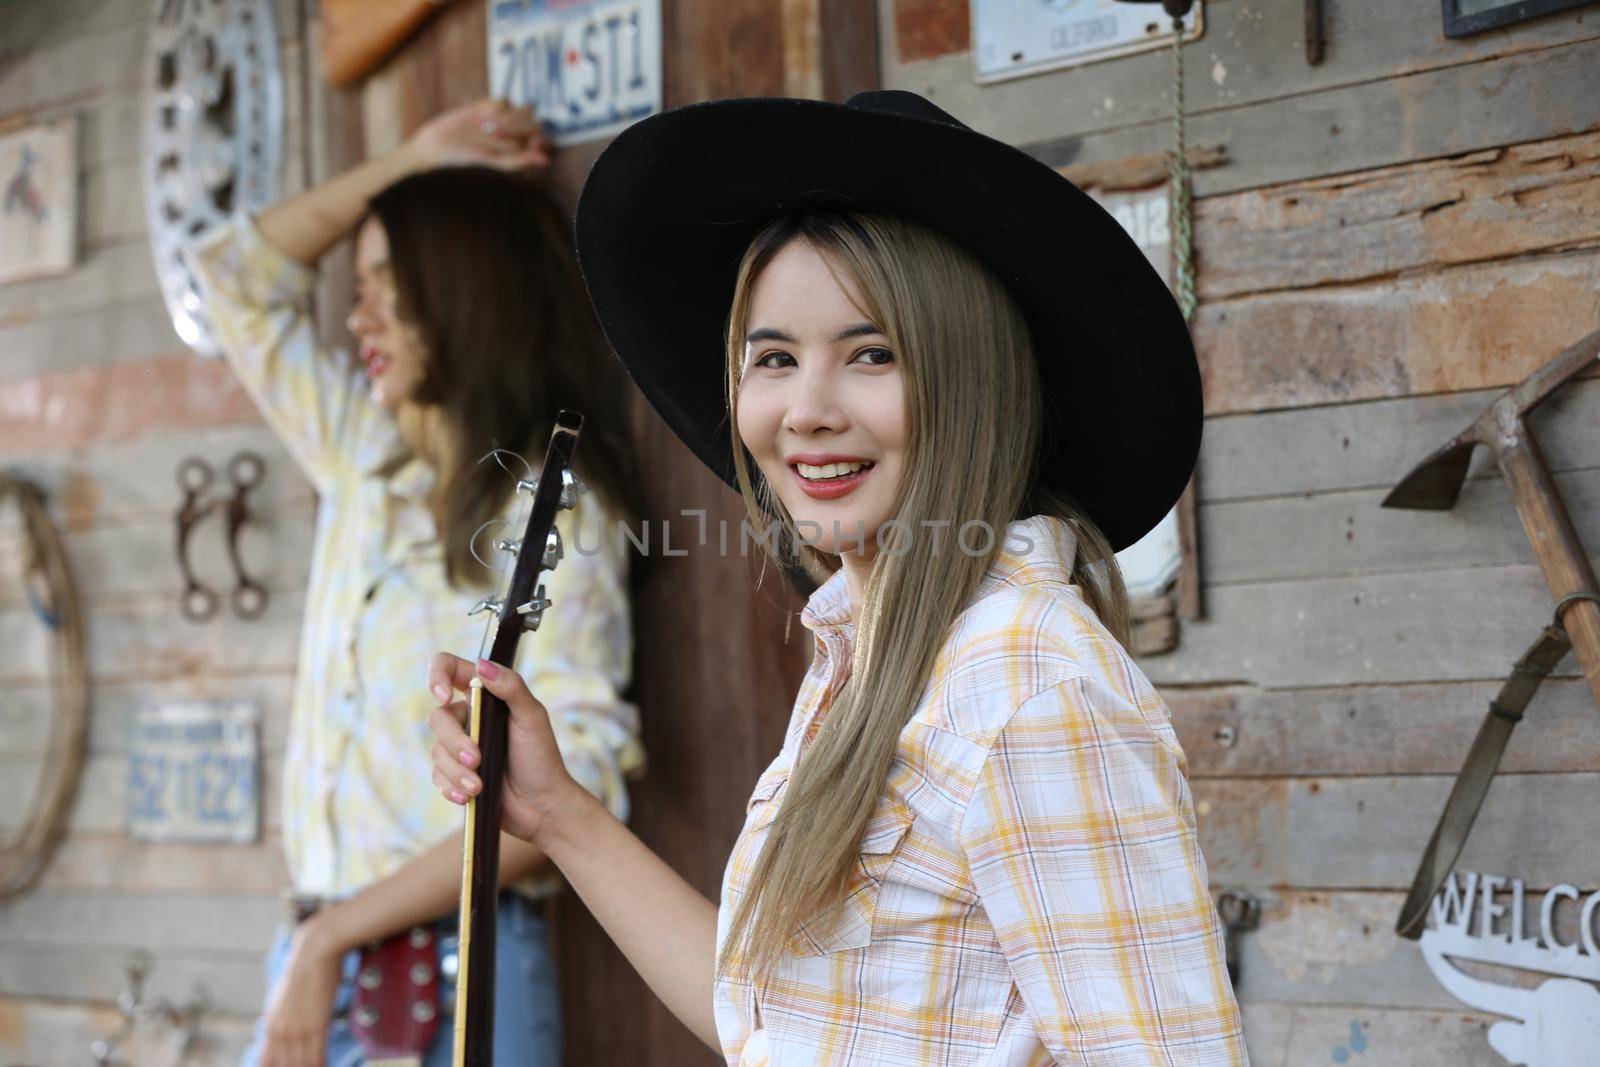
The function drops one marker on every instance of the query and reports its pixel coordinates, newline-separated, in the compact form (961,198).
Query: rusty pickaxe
(1436,483)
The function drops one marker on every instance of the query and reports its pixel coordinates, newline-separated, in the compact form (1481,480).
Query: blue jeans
(527,1008)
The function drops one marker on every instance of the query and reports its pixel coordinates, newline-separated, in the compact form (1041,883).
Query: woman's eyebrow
(860,329)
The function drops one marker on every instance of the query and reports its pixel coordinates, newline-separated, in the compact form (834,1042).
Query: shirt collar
(1037,549)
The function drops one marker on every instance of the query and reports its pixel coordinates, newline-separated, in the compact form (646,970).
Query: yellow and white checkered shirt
(1030,889)
(356,800)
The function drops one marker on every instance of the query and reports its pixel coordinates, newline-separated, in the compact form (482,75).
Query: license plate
(193,773)
(589,67)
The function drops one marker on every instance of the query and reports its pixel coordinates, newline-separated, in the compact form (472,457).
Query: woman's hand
(537,785)
(489,132)
(300,1009)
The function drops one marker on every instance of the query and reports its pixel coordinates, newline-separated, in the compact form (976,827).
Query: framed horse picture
(39,212)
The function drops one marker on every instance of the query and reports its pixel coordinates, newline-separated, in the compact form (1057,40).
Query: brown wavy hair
(486,277)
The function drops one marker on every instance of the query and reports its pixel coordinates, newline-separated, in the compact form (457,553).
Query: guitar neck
(521,609)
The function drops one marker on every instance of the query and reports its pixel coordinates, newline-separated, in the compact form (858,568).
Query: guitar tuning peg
(552,549)
(492,604)
(528,485)
(510,548)
(571,486)
(533,611)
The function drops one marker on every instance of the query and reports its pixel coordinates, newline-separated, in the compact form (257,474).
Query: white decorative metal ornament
(212,121)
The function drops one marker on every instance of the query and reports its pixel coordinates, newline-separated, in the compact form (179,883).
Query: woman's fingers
(449,674)
(447,724)
(508,685)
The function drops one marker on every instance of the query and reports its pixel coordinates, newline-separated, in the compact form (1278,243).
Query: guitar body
(520,608)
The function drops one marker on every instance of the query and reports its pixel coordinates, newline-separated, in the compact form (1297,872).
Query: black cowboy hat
(673,202)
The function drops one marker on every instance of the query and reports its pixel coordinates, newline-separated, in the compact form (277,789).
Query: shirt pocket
(852,925)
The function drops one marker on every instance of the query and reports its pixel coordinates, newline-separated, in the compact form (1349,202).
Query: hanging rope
(48,584)
(1178,171)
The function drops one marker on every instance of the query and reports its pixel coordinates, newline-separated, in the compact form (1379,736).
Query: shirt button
(757,1051)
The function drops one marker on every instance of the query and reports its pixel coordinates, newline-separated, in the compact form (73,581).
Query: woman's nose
(360,319)
(814,406)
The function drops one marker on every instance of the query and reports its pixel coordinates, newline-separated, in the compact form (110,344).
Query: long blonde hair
(976,413)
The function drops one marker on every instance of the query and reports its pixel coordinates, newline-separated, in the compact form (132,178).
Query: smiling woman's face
(821,404)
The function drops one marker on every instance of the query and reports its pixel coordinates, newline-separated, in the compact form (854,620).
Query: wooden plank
(1376,729)
(138,558)
(1468,327)
(111,863)
(147,639)
(1290,1035)
(850,52)
(1374,124)
(1315,948)
(184,922)
(1340,534)
(51,1033)
(1500,202)
(109,482)
(1455,625)
(101,803)
(233,980)
(24,709)
(121,400)
(1373,445)
(109,333)
(1247,88)
(77,66)
(115,273)
(1369,832)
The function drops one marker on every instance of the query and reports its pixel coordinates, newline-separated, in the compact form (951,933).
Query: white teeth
(829,470)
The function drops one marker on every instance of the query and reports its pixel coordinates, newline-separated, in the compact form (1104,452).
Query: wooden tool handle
(1556,546)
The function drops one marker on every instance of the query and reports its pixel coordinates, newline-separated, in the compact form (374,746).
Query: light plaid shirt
(1030,889)
(356,800)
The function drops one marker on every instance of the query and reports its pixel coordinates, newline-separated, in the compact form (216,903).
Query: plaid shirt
(1030,888)
(356,799)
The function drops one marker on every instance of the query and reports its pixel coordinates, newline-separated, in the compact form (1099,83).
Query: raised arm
(256,278)
(489,132)
(661,923)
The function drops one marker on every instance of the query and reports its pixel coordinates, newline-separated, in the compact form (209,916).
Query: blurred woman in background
(473,330)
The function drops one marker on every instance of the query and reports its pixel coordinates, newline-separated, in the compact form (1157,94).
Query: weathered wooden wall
(99,401)
(1396,233)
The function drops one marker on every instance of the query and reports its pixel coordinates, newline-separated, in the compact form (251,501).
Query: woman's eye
(774,360)
(875,357)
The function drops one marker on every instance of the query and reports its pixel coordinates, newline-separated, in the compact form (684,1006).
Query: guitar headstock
(521,604)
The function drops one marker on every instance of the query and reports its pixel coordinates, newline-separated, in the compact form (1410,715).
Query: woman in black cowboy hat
(957,388)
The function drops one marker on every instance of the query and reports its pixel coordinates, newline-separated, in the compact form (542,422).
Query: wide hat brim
(673,201)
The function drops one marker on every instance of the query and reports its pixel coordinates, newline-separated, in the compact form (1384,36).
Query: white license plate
(589,67)
(193,773)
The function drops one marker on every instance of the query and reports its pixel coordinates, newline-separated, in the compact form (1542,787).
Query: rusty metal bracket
(1435,484)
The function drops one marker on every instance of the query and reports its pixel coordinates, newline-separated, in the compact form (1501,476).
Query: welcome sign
(1485,919)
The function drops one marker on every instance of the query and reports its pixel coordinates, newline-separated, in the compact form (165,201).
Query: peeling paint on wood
(1487,205)
(119,401)
(1469,327)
